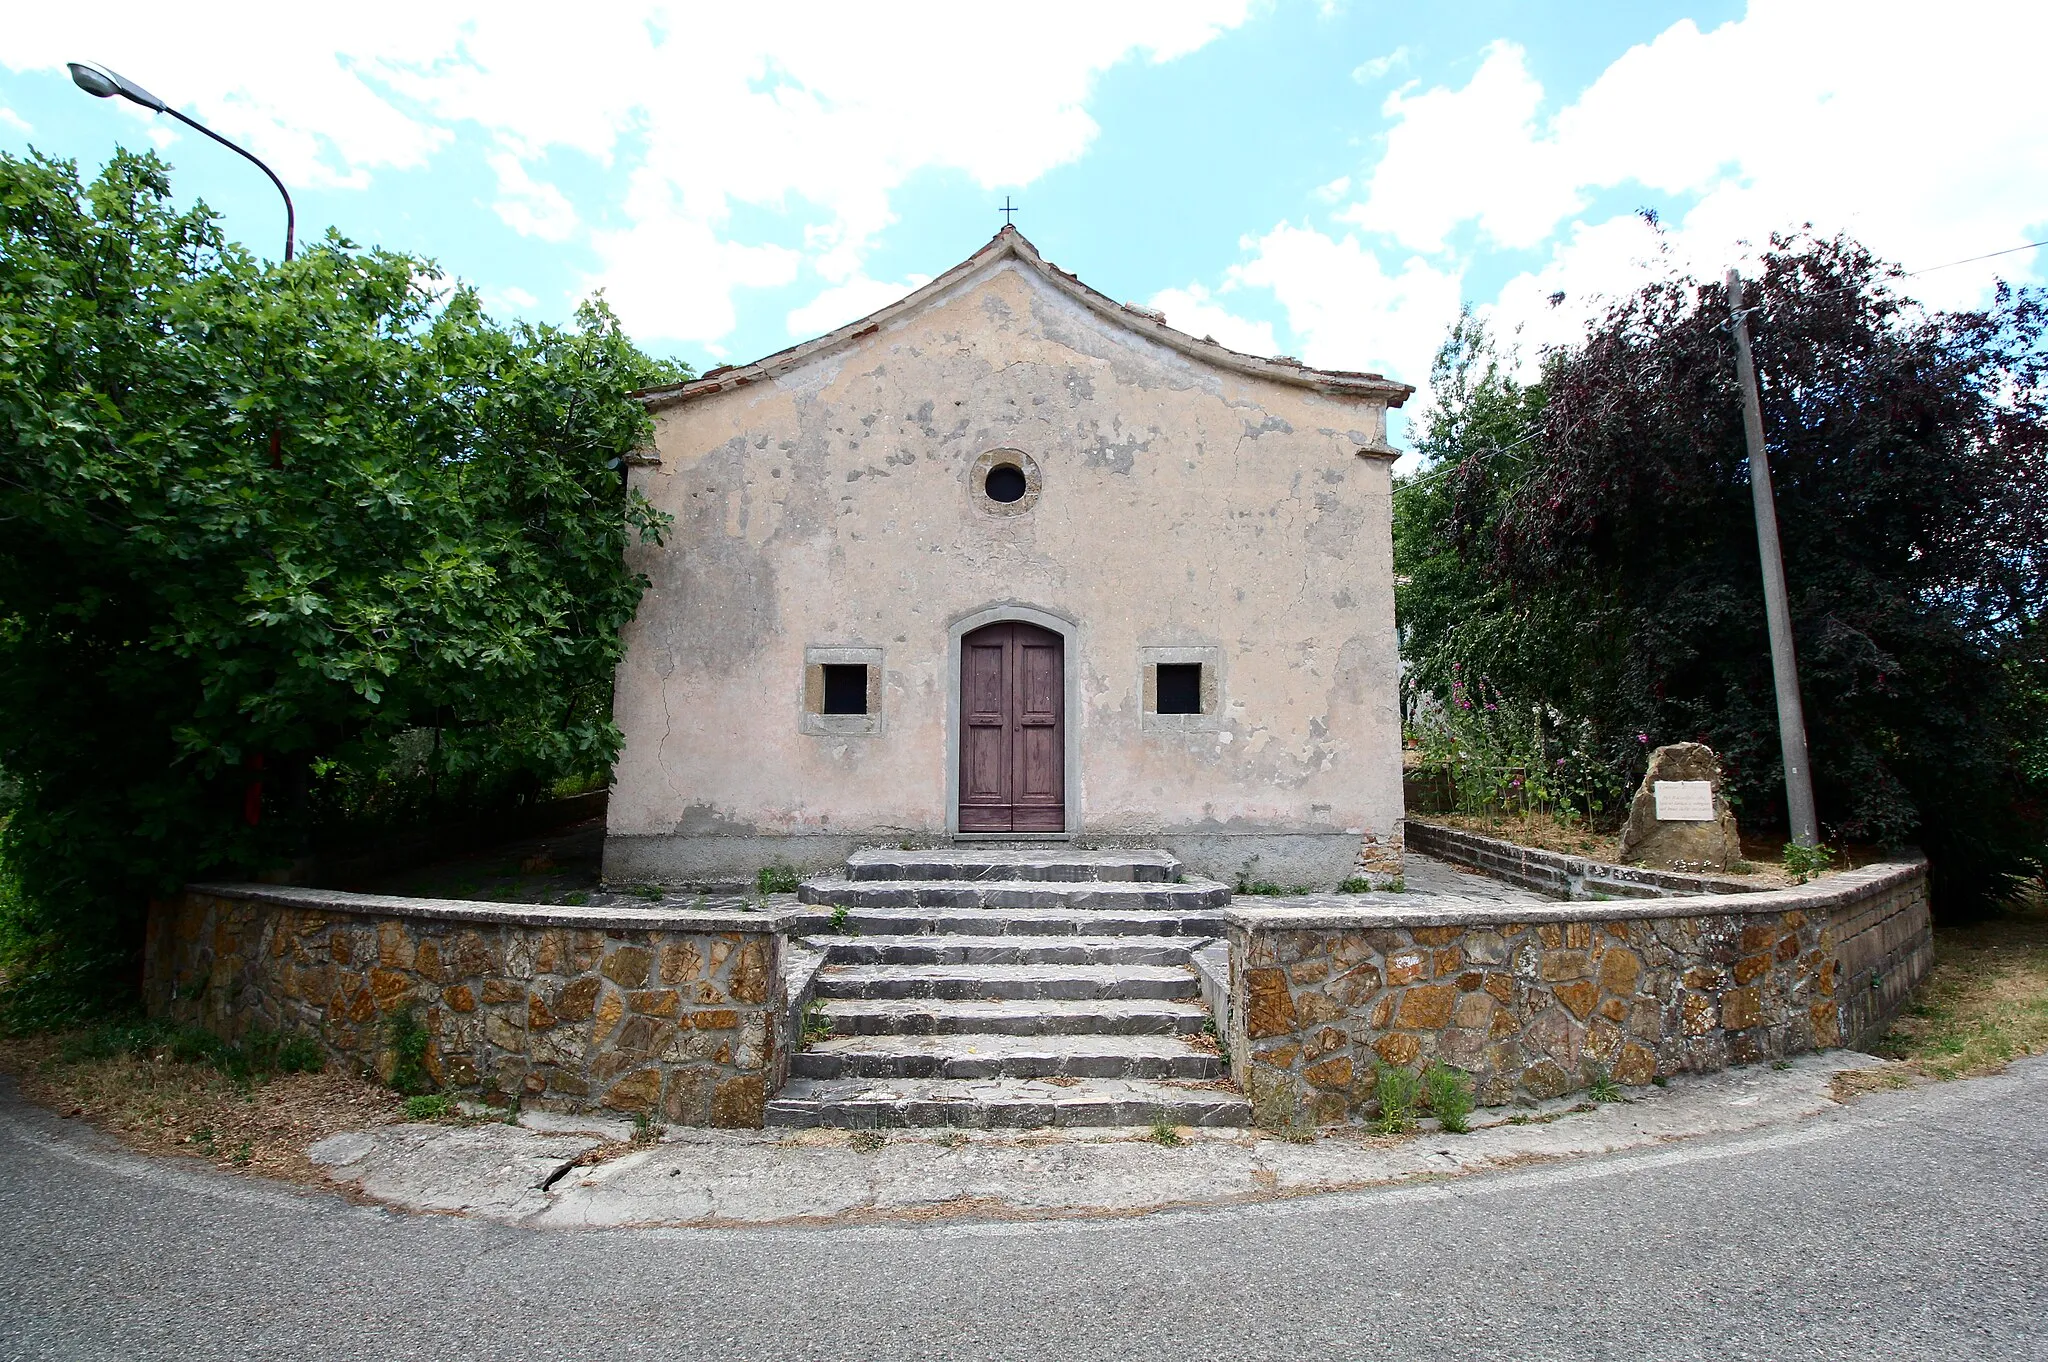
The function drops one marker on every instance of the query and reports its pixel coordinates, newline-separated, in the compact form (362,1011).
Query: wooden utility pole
(1777,607)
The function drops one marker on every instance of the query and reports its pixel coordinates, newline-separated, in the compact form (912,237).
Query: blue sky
(1326,179)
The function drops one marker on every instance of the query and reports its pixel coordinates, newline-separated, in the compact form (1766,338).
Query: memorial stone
(1679,819)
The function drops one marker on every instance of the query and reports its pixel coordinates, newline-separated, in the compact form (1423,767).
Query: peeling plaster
(1179,504)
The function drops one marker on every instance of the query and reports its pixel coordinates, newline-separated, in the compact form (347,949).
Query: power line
(1992,255)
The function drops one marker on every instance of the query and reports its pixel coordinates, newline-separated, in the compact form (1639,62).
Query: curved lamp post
(104,84)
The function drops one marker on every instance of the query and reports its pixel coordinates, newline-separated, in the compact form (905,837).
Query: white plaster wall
(1180,506)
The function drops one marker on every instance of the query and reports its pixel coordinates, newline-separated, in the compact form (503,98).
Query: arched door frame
(1069,630)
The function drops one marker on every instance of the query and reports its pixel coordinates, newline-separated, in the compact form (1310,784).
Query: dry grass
(1538,830)
(161,1105)
(1761,866)
(1985,1001)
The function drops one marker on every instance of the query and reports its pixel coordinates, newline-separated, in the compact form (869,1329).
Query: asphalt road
(1912,1225)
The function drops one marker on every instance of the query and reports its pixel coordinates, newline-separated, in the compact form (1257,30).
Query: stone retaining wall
(1559,997)
(1883,946)
(678,1014)
(1559,875)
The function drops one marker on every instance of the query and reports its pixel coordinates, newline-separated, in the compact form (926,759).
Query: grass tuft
(1450,1097)
(408,1040)
(1397,1090)
(430,1106)
(776,879)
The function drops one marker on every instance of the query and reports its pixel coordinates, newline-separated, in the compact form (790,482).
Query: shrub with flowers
(1495,754)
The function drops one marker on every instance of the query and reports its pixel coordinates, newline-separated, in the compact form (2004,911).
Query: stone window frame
(978,474)
(1210,656)
(814,722)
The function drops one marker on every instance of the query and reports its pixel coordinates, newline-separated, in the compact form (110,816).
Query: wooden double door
(1013,730)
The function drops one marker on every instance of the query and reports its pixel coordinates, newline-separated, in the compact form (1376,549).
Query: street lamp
(104,84)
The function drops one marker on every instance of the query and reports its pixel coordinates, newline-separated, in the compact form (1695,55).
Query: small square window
(1180,688)
(846,688)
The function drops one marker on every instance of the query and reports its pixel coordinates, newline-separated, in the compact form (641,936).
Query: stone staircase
(1011,986)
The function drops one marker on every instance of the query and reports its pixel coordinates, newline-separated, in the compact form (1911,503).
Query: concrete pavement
(747,1177)
(1910,1224)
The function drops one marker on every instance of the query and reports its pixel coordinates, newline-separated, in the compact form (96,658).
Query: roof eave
(1011,243)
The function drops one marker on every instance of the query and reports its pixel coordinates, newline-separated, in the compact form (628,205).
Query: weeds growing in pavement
(817,1026)
(1450,1096)
(776,879)
(429,1106)
(408,1040)
(1804,863)
(1396,1089)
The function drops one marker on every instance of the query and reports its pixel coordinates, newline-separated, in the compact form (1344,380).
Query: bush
(290,550)
(1803,863)
(1586,543)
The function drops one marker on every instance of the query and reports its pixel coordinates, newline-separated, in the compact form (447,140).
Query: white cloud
(1334,190)
(1920,139)
(1594,264)
(816,107)
(11,119)
(528,206)
(1367,72)
(847,302)
(511,298)
(673,276)
(1348,311)
(1192,310)
(1470,155)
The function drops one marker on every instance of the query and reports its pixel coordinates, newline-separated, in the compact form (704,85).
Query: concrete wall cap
(778,913)
(1323,915)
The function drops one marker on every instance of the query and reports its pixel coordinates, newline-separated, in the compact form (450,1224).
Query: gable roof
(1010,243)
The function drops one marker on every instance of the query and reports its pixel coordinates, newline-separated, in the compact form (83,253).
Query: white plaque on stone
(1685,801)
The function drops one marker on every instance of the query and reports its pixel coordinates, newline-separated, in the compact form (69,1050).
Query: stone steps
(1194,894)
(1021,1017)
(993,1056)
(963,949)
(1002,986)
(981,1104)
(1052,864)
(1006,981)
(1027,922)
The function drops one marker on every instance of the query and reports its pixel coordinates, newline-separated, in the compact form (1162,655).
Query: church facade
(1008,561)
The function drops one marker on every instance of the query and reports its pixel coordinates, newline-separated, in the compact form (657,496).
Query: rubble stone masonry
(677,1015)
(1562,996)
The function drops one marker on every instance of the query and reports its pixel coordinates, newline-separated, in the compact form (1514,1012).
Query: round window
(1005,483)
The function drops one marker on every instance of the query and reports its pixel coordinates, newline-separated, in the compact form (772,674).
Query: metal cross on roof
(1007,209)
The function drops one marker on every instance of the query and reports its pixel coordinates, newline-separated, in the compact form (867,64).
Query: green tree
(1608,565)
(284,546)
